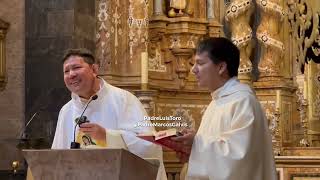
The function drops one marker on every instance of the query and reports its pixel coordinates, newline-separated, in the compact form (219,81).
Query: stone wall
(39,33)
(51,28)
(12,97)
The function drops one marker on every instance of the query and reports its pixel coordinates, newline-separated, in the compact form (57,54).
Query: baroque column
(238,15)
(214,27)
(210,9)
(157,8)
(268,36)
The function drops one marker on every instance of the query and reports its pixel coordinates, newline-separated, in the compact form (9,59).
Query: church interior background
(147,46)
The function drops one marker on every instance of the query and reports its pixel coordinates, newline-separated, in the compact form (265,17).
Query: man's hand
(186,141)
(186,138)
(93,130)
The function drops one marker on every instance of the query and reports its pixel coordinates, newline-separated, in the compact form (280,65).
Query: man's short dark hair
(221,49)
(82,52)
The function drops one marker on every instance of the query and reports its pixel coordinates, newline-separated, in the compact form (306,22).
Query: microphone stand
(23,138)
(79,121)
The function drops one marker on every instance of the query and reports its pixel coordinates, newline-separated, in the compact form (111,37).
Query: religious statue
(180,8)
(178,4)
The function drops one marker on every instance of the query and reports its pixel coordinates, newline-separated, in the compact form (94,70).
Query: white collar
(221,91)
(80,102)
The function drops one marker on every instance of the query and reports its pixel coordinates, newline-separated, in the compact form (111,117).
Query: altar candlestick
(278,99)
(144,68)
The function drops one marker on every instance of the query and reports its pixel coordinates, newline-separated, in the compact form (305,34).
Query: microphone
(79,121)
(83,119)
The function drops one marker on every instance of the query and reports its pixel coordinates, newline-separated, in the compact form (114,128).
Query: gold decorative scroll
(3,31)
(304,18)
(273,116)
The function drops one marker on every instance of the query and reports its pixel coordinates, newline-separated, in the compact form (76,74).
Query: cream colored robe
(233,140)
(116,110)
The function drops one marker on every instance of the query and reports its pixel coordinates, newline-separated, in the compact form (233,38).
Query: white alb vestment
(118,111)
(233,140)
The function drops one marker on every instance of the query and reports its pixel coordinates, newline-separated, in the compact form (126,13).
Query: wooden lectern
(89,164)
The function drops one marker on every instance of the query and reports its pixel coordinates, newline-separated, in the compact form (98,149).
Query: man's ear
(222,68)
(95,68)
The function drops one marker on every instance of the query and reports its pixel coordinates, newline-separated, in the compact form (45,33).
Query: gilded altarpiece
(279,45)
(121,34)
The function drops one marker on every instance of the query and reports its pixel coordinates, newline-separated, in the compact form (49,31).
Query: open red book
(163,138)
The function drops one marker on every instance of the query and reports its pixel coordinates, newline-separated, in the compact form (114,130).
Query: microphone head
(94,97)
(80,120)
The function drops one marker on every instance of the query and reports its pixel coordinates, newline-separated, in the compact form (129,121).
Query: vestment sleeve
(58,140)
(228,153)
(132,113)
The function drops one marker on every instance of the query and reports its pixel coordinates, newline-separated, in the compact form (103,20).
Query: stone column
(157,8)
(214,27)
(210,9)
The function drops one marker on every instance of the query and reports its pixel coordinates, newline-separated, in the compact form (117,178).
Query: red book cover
(163,138)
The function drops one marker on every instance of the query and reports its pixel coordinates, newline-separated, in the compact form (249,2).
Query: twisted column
(238,15)
(268,36)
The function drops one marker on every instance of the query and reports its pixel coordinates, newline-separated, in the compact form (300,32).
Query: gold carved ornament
(303,17)
(3,31)
(304,22)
